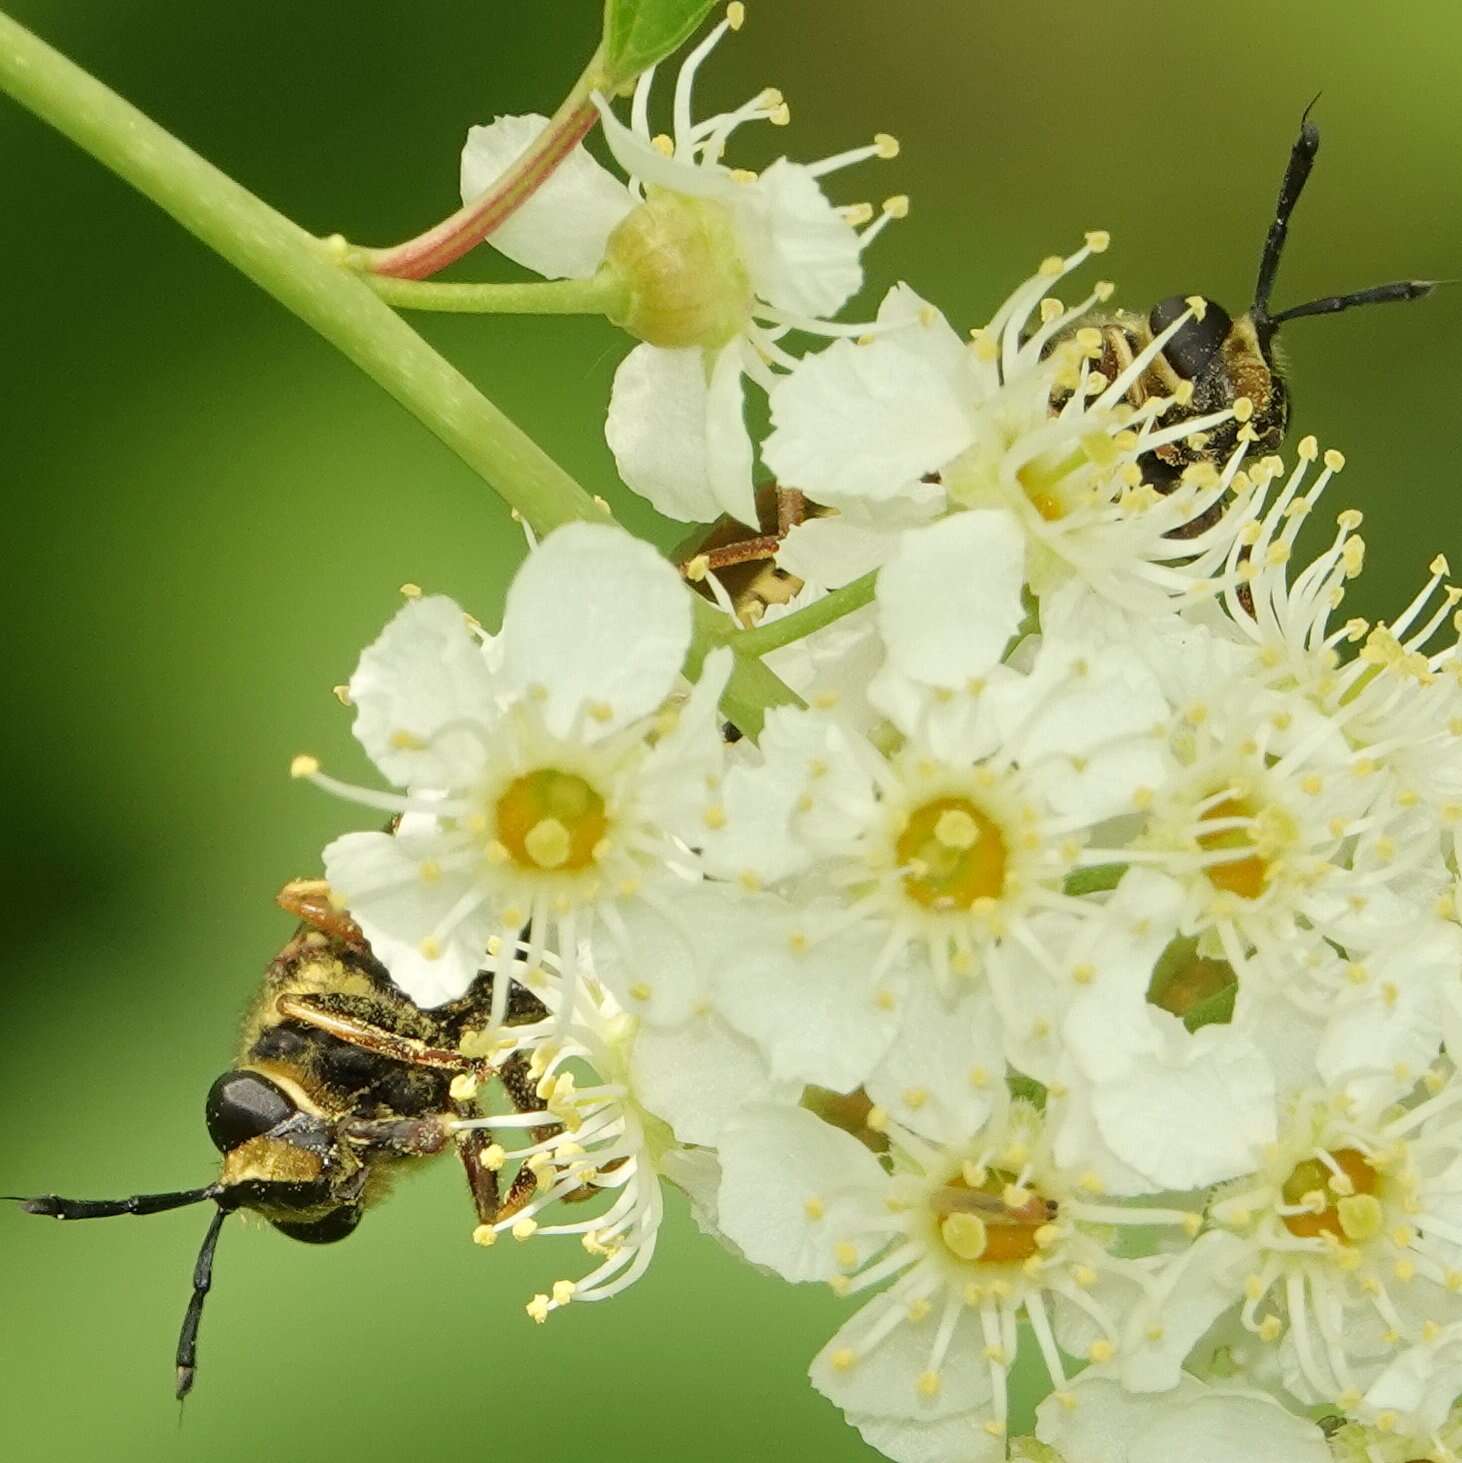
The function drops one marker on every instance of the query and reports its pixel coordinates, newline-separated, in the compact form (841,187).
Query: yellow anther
(1052,267)
(887,144)
(430,948)
(736,14)
(1198,305)
(484,1235)
(814,1208)
(1308,449)
(410,590)
(1101,1350)
(928,1384)
(843,1358)
(304,766)
(463,1087)
(1270,1328)
(1334,460)
(525,1228)
(897,206)
(845,1252)
(1098,241)
(538,1308)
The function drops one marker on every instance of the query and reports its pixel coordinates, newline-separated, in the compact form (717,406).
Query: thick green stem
(310,277)
(803,622)
(605,294)
(449,240)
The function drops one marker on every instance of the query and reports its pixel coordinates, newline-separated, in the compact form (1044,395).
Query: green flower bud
(679,262)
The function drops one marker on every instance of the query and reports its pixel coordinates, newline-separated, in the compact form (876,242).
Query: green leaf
(638,33)
(1027,1089)
(1217,1008)
(1095,879)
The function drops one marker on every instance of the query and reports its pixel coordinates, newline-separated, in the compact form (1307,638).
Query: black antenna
(54,1207)
(1296,175)
(202,1283)
(1378,294)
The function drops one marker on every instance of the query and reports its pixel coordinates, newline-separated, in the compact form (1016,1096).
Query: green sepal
(638,33)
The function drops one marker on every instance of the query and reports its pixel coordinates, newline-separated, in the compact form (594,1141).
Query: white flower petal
(941,1076)
(413,689)
(801,254)
(1090,721)
(561,231)
(1193,1422)
(930,336)
(831,552)
(884,1382)
(864,421)
(1189,1294)
(949,599)
(601,622)
(1225,1428)
(960,1439)
(685,764)
(766,832)
(728,444)
(819,1007)
(793,1188)
(701,1075)
(1397,1026)
(661,971)
(660,412)
(1196,1114)
(379,879)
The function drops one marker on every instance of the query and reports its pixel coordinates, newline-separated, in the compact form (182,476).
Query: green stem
(448,241)
(803,622)
(308,276)
(605,294)
(753,689)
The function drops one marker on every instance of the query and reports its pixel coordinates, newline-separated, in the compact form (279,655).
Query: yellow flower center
(1351,1212)
(551,820)
(981,1225)
(1246,877)
(954,854)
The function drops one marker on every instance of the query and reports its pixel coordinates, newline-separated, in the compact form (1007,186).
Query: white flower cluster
(1072,977)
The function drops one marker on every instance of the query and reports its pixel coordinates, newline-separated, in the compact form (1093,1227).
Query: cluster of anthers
(1075,971)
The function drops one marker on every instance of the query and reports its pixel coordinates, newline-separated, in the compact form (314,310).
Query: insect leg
(481,1180)
(309,900)
(377,1039)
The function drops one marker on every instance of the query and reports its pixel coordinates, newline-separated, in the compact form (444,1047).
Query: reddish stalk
(432,251)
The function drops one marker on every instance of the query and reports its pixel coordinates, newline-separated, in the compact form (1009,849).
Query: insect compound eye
(1192,350)
(243,1105)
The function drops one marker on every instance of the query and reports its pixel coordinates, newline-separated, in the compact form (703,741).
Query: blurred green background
(208,514)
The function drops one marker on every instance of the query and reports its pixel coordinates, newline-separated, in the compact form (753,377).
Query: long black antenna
(1377,294)
(1296,175)
(55,1207)
(202,1283)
